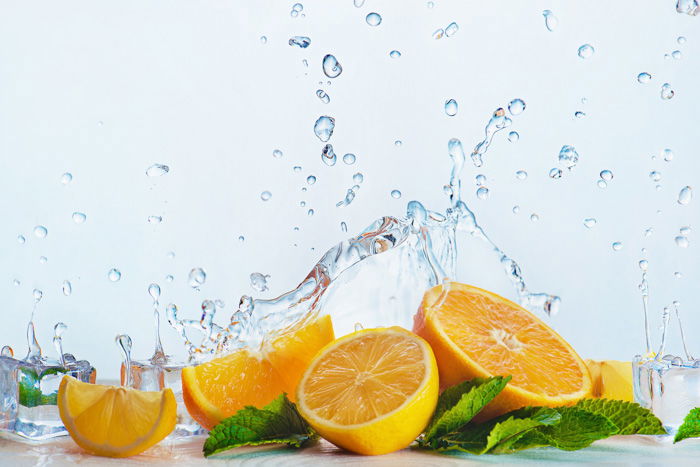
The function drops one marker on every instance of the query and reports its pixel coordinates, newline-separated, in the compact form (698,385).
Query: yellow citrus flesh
(114,421)
(219,388)
(371,392)
(612,379)
(476,333)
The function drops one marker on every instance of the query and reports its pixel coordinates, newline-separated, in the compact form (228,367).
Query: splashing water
(124,344)
(58,331)
(498,122)
(258,281)
(158,353)
(405,255)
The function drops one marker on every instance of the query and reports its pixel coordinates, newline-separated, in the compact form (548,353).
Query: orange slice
(371,392)
(612,379)
(114,421)
(474,332)
(217,389)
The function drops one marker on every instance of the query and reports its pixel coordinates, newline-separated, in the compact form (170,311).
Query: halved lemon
(474,332)
(372,391)
(114,421)
(612,379)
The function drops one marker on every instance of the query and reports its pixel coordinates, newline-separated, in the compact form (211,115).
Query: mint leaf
(629,417)
(576,429)
(458,404)
(690,428)
(276,423)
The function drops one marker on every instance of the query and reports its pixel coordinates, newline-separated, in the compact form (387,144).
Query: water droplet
(516,106)
(156,170)
(578,114)
(648,232)
(534,217)
(358,3)
(555,173)
(155,219)
(480,179)
(79,217)
(300,41)
(516,209)
(67,288)
(66,178)
(644,265)
(513,136)
(265,195)
(677,275)
(21,239)
(297,168)
(398,143)
(358,178)
(655,175)
(668,155)
(40,231)
(343,226)
(154,292)
(16,282)
(328,155)
(430,5)
(169,278)
(258,281)
(550,21)
(685,195)
(263,39)
(482,192)
(43,259)
(676,54)
(396,194)
(37,294)
(586,51)
(373,19)
(311,179)
(667,92)
(323,128)
(349,158)
(521,174)
(197,278)
(438,34)
(331,66)
(114,275)
(606,175)
(617,246)
(277,154)
(310,212)
(296,9)
(568,157)
(644,77)
(395,54)
(682,241)
(685,230)
(602,183)
(451,29)
(590,222)
(325,98)
(681,40)
(688,7)
(451,107)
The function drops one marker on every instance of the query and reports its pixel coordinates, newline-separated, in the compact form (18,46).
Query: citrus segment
(474,332)
(219,388)
(115,421)
(370,392)
(612,379)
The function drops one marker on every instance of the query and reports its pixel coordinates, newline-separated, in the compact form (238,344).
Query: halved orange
(474,332)
(115,421)
(219,388)
(372,391)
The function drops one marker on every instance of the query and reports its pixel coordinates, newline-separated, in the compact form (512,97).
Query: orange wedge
(217,389)
(474,332)
(612,379)
(371,392)
(114,421)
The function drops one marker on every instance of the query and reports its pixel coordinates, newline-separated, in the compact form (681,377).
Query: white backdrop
(104,89)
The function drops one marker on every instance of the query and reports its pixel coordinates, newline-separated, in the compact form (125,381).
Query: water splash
(124,344)
(498,122)
(258,281)
(158,353)
(58,331)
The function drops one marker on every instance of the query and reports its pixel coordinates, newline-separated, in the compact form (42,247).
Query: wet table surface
(627,450)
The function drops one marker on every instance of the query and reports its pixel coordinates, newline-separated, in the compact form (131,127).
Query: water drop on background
(197,278)
(685,230)
(358,178)
(482,192)
(310,212)
(586,51)
(265,195)
(677,275)
(395,54)
(323,128)
(328,155)
(521,174)
(643,77)
(550,21)
(343,226)
(513,137)
(676,54)
(331,66)
(297,168)
(578,114)
(349,158)
(534,217)
(438,34)
(300,41)
(79,217)
(277,154)
(451,107)
(67,288)
(602,183)
(667,92)
(555,173)
(311,179)
(681,40)
(590,222)
(114,275)
(685,195)
(16,282)
(40,231)
(655,175)
(373,19)
(358,3)
(617,246)
(668,155)
(396,194)
(516,209)
(606,175)
(169,278)
(263,39)
(516,106)
(568,157)
(451,29)
(296,9)
(480,179)
(21,239)
(321,94)
(156,170)
(66,178)
(682,241)
(154,219)
(43,259)
(258,281)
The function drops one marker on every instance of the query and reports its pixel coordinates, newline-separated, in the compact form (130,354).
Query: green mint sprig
(690,428)
(279,422)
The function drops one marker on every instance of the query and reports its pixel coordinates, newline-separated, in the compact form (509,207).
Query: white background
(105,89)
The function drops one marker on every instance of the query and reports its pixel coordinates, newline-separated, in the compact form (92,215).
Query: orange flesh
(363,379)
